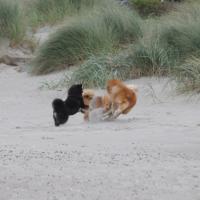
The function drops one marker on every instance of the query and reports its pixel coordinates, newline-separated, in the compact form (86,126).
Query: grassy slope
(101,31)
(167,44)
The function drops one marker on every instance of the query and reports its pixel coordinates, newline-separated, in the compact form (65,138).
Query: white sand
(153,153)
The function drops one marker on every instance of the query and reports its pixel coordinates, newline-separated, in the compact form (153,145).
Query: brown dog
(123,98)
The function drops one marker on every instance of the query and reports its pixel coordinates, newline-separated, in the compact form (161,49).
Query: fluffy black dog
(73,104)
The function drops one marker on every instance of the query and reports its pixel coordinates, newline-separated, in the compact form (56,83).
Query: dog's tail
(133,87)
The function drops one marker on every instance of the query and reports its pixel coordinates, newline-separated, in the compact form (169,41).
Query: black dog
(73,104)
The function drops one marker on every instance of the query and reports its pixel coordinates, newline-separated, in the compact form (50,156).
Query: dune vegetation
(188,75)
(104,30)
(11,21)
(104,39)
(52,11)
(167,47)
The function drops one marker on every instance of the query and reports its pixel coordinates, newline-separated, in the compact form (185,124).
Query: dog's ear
(80,85)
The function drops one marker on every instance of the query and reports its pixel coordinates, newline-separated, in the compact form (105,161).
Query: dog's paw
(104,118)
(107,114)
(107,117)
(116,115)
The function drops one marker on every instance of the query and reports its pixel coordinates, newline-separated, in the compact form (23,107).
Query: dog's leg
(86,116)
(109,114)
(106,115)
(120,109)
(116,114)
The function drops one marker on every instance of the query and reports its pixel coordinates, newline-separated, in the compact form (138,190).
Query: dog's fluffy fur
(73,104)
(88,95)
(123,98)
(119,100)
(96,102)
(60,114)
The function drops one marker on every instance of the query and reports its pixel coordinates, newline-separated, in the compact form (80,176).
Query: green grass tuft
(188,75)
(167,42)
(97,70)
(181,32)
(11,21)
(152,59)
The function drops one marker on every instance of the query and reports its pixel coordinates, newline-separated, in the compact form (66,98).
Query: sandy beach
(153,153)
